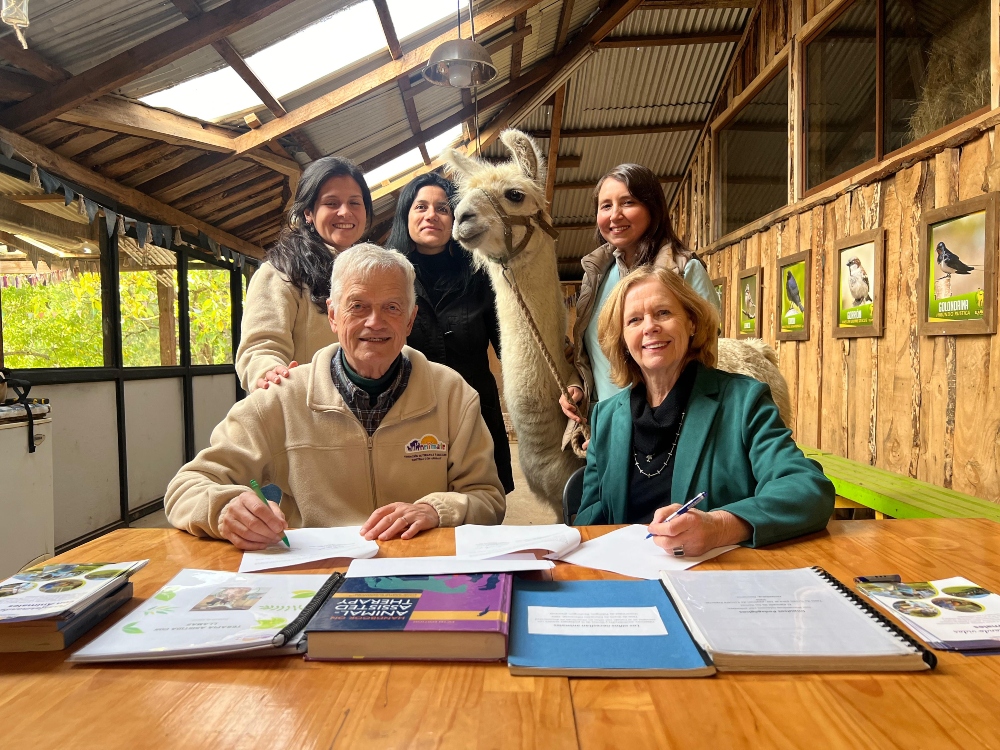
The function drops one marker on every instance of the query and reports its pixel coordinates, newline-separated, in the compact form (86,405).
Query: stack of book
(47,607)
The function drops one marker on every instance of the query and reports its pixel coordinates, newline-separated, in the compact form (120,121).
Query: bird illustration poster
(857,291)
(720,287)
(749,297)
(956,262)
(793,296)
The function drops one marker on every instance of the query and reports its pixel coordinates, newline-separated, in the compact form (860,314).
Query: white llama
(501,220)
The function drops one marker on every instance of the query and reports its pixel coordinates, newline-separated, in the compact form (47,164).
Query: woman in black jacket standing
(456,307)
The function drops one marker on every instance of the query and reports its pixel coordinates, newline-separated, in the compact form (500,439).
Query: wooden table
(279,702)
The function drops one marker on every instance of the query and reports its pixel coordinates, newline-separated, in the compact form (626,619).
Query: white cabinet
(26,507)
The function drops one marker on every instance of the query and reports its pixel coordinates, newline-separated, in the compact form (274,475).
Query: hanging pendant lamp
(460,63)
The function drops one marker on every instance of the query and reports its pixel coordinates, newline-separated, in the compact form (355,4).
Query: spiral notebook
(802,620)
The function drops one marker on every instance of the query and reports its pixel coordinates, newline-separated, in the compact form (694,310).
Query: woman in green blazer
(682,427)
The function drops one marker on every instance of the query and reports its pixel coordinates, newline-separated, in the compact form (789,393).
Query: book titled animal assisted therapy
(439,617)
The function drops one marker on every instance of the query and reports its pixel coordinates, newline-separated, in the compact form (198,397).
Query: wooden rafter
(696,4)
(565,18)
(138,61)
(122,116)
(668,40)
(673,127)
(517,50)
(364,85)
(558,104)
(31,61)
(140,202)
(15,85)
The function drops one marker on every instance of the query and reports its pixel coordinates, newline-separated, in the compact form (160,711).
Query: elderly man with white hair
(368,433)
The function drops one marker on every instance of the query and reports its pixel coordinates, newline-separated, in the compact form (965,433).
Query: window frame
(781,61)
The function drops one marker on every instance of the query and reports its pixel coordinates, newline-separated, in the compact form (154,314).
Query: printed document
(595,621)
(628,552)
(310,545)
(481,542)
(435,566)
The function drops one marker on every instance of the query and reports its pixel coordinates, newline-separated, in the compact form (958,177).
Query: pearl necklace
(635,455)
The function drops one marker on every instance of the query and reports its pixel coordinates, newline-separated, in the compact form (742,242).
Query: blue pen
(683,509)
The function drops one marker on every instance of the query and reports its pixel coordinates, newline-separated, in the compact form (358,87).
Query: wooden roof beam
(138,61)
(696,4)
(558,105)
(15,85)
(669,40)
(517,49)
(122,116)
(565,18)
(133,199)
(673,127)
(498,14)
(31,61)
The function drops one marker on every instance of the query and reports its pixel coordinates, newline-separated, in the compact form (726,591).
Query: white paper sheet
(628,552)
(481,542)
(595,621)
(310,545)
(431,566)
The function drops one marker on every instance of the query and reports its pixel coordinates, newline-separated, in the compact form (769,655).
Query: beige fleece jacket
(432,447)
(280,325)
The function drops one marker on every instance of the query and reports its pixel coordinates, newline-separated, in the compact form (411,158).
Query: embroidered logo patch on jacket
(426,448)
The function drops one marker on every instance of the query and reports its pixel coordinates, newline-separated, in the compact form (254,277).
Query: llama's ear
(461,165)
(526,154)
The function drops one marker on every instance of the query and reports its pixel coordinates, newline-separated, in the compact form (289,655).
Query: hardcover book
(440,617)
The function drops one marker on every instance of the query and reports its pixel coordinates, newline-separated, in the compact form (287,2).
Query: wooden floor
(523,507)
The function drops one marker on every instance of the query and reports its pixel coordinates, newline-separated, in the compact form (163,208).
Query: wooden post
(557,114)
(994,54)
(165,298)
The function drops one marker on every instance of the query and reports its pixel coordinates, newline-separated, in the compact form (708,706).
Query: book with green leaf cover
(208,613)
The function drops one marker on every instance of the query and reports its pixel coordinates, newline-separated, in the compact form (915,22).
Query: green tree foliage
(211,312)
(60,324)
(56,325)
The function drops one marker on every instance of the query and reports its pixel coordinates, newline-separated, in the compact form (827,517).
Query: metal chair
(572,495)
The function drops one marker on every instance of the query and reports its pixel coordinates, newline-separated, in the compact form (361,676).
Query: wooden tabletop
(278,702)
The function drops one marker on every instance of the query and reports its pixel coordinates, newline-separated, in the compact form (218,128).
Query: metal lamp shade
(460,63)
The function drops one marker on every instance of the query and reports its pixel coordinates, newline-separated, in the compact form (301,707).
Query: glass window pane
(937,65)
(50,299)
(753,157)
(840,95)
(149,318)
(211,314)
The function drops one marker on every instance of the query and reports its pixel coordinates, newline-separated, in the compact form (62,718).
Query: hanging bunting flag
(141,228)
(68,194)
(35,180)
(121,225)
(227,253)
(161,235)
(6,149)
(49,183)
(91,208)
(111,218)
(177,236)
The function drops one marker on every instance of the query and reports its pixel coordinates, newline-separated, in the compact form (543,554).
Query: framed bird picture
(748,294)
(858,293)
(958,248)
(794,296)
(720,286)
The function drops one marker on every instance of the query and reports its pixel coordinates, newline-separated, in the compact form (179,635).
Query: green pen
(256,488)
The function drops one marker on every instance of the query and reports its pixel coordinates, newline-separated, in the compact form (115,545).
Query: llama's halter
(529,221)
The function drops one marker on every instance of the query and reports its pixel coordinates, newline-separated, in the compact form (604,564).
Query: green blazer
(733,445)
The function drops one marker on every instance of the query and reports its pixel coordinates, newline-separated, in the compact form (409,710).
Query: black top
(456,322)
(653,434)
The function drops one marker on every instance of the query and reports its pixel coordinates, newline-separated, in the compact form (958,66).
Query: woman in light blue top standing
(633,224)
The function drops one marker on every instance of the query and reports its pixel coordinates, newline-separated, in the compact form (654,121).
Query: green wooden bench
(859,485)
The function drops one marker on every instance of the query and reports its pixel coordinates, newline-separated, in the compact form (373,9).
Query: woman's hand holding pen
(250,525)
(696,532)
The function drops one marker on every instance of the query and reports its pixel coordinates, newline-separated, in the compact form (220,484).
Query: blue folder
(672,655)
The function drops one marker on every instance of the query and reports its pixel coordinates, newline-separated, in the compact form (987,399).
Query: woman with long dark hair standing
(456,307)
(284,316)
(634,228)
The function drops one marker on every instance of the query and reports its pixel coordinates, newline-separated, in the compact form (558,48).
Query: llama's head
(517,187)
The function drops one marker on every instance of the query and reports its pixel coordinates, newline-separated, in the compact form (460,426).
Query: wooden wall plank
(971,400)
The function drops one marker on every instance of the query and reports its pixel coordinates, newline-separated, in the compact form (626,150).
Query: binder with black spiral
(928,656)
